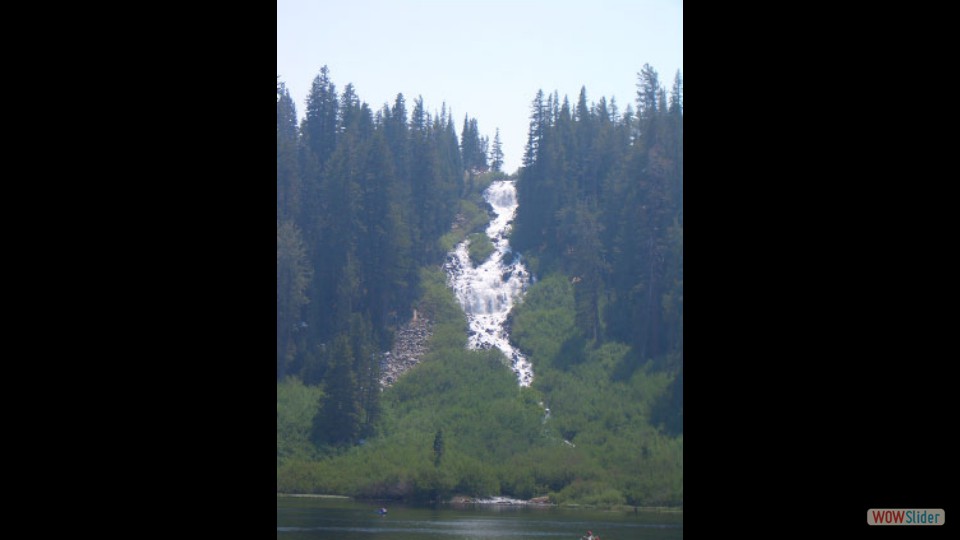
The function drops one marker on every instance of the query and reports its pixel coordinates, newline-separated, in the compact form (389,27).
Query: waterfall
(488,292)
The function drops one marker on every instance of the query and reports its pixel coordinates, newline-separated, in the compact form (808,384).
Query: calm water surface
(303,517)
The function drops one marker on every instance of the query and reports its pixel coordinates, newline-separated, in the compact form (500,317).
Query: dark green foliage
(362,203)
(350,407)
(438,448)
(371,196)
(338,419)
(668,411)
(601,201)
(293,275)
(497,156)
(585,262)
(320,125)
(288,170)
(473,147)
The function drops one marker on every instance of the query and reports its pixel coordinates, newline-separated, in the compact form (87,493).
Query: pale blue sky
(484,58)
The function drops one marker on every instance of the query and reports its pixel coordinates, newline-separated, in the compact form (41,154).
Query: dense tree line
(601,200)
(600,197)
(363,198)
(474,147)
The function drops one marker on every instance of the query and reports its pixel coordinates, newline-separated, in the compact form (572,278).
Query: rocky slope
(408,347)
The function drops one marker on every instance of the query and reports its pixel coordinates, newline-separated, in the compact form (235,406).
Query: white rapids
(489,291)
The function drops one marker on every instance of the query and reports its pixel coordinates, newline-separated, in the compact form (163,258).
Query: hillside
(370,204)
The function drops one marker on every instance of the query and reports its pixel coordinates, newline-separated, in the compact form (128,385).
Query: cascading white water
(488,292)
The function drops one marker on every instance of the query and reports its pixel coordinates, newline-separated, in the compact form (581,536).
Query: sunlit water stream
(489,291)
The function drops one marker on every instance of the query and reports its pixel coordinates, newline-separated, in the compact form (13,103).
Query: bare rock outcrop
(409,346)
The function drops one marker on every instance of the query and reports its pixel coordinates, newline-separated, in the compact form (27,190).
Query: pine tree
(526,231)
(468,145)
(337,421)
(497,156)
(483,153)
(366,370)
(418,119)
(293,275)
(288,168)
(675,140)
(385,247)
(535,134)
(648,90)
(320,124)
(585,263)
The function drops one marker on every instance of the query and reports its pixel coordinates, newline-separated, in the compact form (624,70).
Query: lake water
(308,517)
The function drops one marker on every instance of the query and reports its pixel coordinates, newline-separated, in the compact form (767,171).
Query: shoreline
(536,502)
(313,495)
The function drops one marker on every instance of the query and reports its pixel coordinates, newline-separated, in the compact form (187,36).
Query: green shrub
(473,218)
(296,406)
(480,248)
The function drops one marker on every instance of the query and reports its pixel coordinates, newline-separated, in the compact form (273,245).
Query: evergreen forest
(369,203)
